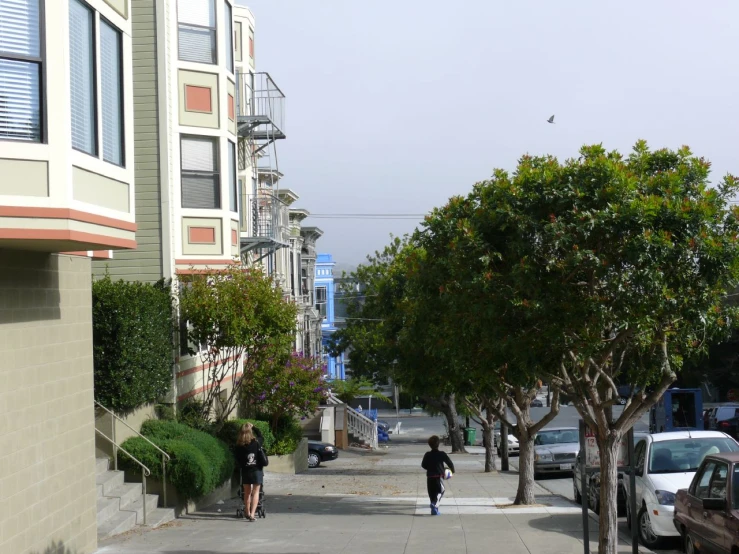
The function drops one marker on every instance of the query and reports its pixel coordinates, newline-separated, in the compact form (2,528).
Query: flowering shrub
(286,386)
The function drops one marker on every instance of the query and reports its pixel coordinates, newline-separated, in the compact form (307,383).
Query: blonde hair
(246,435)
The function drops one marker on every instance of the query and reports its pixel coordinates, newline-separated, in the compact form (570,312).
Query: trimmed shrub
(230,432)
(288,434)
(200,462)
(132,329)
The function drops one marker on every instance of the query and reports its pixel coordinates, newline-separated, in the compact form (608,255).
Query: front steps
(120,504)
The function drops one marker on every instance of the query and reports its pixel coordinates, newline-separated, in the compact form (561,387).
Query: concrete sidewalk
(376,503)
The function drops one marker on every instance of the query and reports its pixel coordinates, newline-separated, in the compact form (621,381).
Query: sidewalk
(376,503)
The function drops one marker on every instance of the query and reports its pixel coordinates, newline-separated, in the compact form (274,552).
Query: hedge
(132,330)
(230,432)
(288,434)
(200,462)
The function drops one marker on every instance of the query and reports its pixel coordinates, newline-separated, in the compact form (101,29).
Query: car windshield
(556,436)
(684,455)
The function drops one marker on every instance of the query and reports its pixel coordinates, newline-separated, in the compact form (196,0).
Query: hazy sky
(393,106)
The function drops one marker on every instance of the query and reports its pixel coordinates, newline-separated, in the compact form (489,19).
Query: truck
(677,410)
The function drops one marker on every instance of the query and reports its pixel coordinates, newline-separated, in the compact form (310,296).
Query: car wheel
(690,544)
(628,515)
(314,459)
(576,493)
(622,401)
(646,532)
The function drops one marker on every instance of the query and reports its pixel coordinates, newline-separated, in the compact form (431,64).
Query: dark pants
(435,487)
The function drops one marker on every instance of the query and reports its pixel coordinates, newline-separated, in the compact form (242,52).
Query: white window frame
(215,173)
(213,31)
(40,62)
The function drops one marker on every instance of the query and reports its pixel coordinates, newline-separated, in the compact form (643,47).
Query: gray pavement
(366,502)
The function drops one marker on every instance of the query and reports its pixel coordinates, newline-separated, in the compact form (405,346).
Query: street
(567,417)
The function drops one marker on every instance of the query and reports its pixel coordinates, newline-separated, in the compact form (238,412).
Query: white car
(513,446)
(665,463)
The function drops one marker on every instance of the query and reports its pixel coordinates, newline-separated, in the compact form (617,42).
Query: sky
(394,106)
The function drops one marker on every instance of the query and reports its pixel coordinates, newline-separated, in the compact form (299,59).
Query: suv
(722,413)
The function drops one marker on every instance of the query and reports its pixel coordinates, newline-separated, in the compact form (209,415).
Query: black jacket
(248,456)
(433,462)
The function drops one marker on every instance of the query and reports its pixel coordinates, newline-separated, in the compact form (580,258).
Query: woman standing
(251,459)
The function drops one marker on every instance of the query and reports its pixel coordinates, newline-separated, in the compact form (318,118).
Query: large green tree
(621,267)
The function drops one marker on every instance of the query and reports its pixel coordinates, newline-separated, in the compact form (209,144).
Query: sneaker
(438,512)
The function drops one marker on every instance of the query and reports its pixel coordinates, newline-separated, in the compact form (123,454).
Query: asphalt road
(567,417)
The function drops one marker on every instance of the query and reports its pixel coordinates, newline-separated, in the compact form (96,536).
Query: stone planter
(297,462)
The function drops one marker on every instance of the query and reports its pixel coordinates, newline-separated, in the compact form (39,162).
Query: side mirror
(714,504)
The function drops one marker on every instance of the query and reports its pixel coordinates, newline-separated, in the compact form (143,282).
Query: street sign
(592,455)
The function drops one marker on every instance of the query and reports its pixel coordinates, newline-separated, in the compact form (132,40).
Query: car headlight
(329,448)
(665,498)
(544,457)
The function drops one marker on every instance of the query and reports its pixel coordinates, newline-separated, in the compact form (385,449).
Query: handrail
(165,457)
(144,473)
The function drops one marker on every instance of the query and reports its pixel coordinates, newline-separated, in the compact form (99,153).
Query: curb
(594,518)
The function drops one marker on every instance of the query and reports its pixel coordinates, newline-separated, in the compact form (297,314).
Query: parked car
(730,427)
(555,450)
(513,446)
(496,433)
(665,463)
(594,485)
(625,392)
(707,513)
(722,413)
(536,403)
(321,452)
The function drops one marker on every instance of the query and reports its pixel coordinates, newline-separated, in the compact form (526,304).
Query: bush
(230,432)
(132,329)
(200,462)
(288,434)
(192,414)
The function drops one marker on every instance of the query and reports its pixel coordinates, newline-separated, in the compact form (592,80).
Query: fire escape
(260,109)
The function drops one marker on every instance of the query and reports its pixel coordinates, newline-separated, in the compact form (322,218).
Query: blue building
(325,289)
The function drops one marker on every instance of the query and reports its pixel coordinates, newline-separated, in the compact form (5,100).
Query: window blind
(229,37)
(82,77)
(232,197)
(19,27)
(200,179)
(197,31)
(20,80)
(112,94)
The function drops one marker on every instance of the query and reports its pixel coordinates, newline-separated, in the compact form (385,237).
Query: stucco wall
(47,432)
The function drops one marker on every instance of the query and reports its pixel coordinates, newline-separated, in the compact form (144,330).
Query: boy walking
(433,462)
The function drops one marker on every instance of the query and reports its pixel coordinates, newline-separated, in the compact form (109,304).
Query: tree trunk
(525,492)
(608,523)
(487,442)
(449,407)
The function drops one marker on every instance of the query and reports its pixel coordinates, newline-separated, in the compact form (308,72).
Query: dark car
(536,403)
(594,485)
(321,452)
(707,513)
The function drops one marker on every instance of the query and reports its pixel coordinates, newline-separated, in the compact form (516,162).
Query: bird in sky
(551,120)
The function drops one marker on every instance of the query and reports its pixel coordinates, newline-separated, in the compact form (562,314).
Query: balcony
(260,110)
(264,222)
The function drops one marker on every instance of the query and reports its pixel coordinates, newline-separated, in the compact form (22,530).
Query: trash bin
(469,436)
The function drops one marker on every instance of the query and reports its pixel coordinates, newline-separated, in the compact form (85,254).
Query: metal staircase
(360,425)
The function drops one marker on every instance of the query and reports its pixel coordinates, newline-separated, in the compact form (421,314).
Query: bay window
(21,70)
(197,31)
(86,62)
(228,30)
(201,185)
(232,194)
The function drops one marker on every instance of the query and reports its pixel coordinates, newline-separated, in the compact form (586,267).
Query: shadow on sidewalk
(360,505)
(569,525)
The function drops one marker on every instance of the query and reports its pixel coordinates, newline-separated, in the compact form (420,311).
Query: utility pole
(503,446)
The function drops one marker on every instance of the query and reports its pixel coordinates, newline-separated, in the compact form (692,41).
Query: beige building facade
(66,195)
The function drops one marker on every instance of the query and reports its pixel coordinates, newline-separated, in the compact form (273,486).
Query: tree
(621,268)
(241,319)
(349,389)
(475,322)
(282,386)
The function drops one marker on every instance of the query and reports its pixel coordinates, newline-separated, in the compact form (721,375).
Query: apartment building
(66,196)
(325,287)
(207,124)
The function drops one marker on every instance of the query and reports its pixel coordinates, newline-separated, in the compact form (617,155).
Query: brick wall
(47,436)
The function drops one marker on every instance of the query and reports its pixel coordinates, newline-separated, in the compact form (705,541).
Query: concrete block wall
(47,432)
